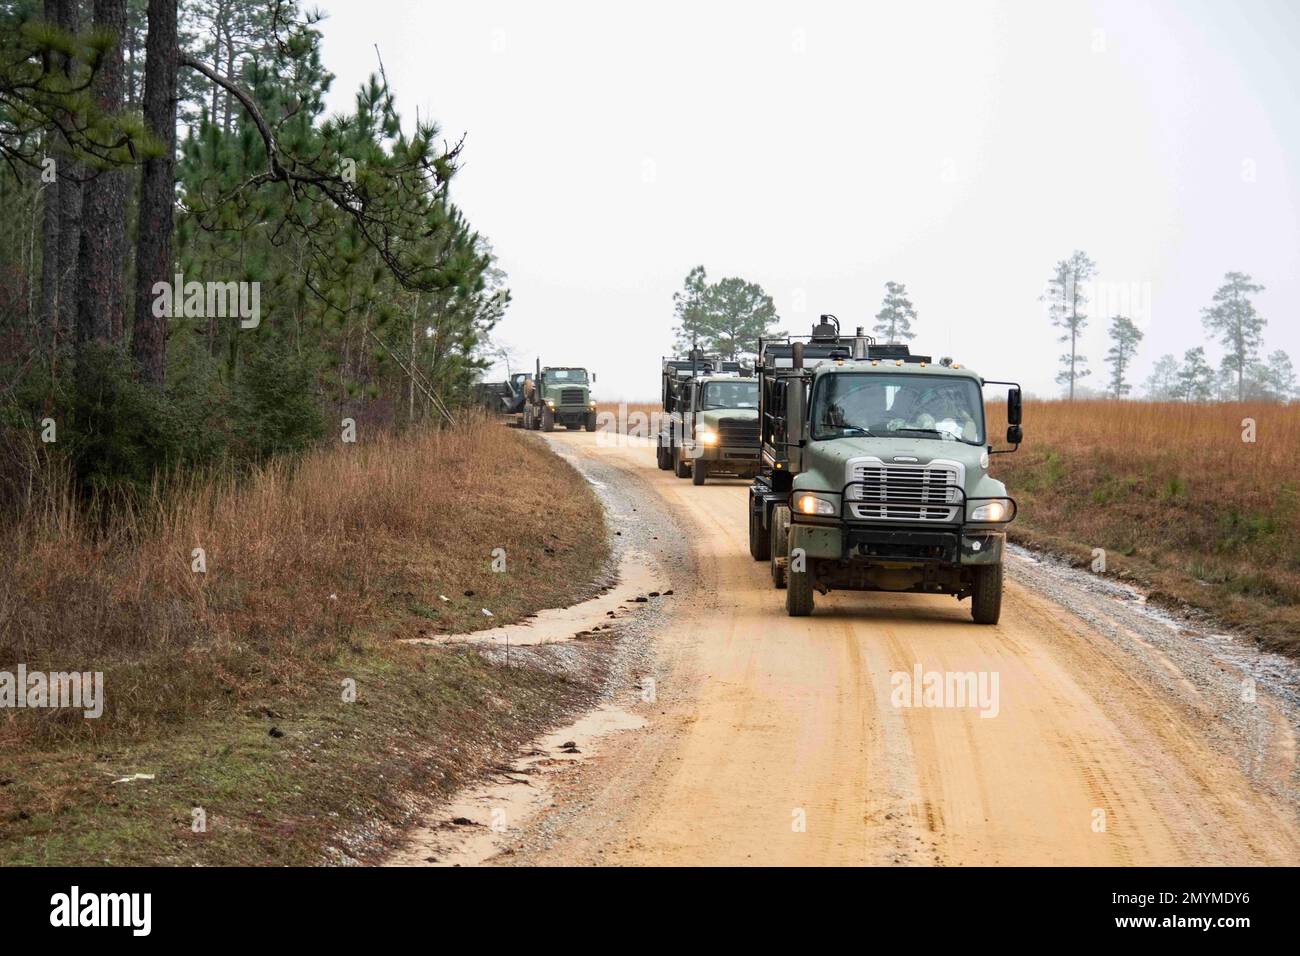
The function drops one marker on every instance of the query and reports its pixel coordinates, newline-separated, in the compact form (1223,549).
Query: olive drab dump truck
(874,473)
(710,426)
(559,395)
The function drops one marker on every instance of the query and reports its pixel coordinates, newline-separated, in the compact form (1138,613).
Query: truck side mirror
(1015,434)
(1013,407)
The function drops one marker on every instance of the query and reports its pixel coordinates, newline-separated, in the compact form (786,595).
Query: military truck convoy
(873,473)
(710,425)
(870,465)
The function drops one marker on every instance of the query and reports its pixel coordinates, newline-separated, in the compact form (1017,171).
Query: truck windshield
(569,376)
(729,395)
(941,408)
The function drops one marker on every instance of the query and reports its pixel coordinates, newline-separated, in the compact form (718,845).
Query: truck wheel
(681,464)
(760,545)
(699,471)
(986,596)
(799,593)
(664,457)
(591,421)
(548,420)
(780,545)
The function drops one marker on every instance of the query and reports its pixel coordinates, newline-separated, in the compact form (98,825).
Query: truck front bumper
(743,454)
(571,413)
(877,544)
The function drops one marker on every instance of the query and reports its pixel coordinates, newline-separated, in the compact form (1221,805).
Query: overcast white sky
(821,149)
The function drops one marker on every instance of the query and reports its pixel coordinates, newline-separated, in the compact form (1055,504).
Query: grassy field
(1175,497)
(227,686)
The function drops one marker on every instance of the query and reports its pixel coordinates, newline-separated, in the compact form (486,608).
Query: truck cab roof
(705,379)
(894,366)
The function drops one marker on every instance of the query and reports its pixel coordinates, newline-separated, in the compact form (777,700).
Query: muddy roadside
(603,644)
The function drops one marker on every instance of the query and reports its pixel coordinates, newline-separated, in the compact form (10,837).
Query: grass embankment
(228,686)
(1176,498)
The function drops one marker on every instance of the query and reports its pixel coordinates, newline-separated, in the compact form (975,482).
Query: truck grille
(572,396)
(737,431)
(914,492)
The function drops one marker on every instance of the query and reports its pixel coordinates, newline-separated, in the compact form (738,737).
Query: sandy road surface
(1117,739)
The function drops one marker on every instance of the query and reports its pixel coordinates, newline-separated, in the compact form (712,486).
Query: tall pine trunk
(101,304)
(50,228)
(67,16)
(157,188)
(50,250)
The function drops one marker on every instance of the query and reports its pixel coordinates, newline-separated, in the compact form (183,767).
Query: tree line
(131,258)
(728,317)
(1231,318)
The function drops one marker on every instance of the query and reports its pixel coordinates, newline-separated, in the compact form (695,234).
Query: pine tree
(101,261)
(157,193)
(739,313)
(1195,378)
(1273,380)
(1066,300)
(1239,327)
(1162,384)
(690,309)
(1126,337)
(896,315)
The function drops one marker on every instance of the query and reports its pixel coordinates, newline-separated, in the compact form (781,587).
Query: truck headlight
(809,504)
(550,402)
(707,437)
(992,511)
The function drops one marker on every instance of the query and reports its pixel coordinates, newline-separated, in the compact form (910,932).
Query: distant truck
(874,473)
(559,394)
(711,421)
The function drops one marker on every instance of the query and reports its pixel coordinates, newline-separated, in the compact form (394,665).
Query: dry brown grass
(1175,497)
(623,413)
(301,558)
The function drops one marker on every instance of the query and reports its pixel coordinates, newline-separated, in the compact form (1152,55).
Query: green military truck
(711,421)
(558,394)
(874,473)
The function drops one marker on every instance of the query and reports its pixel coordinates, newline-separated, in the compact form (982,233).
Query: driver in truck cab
(906,407)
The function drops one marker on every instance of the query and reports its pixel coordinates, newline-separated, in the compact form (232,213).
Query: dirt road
(1106,735)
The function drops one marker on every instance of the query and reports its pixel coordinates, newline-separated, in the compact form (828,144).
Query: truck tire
(681,464)
(591,421)
(664,457)
(799,593)
(780,546)
(760,544)
(699,471)
(548,420)
(986,595)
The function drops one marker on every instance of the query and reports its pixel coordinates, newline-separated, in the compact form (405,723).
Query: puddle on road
(483,820)
(638,576)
